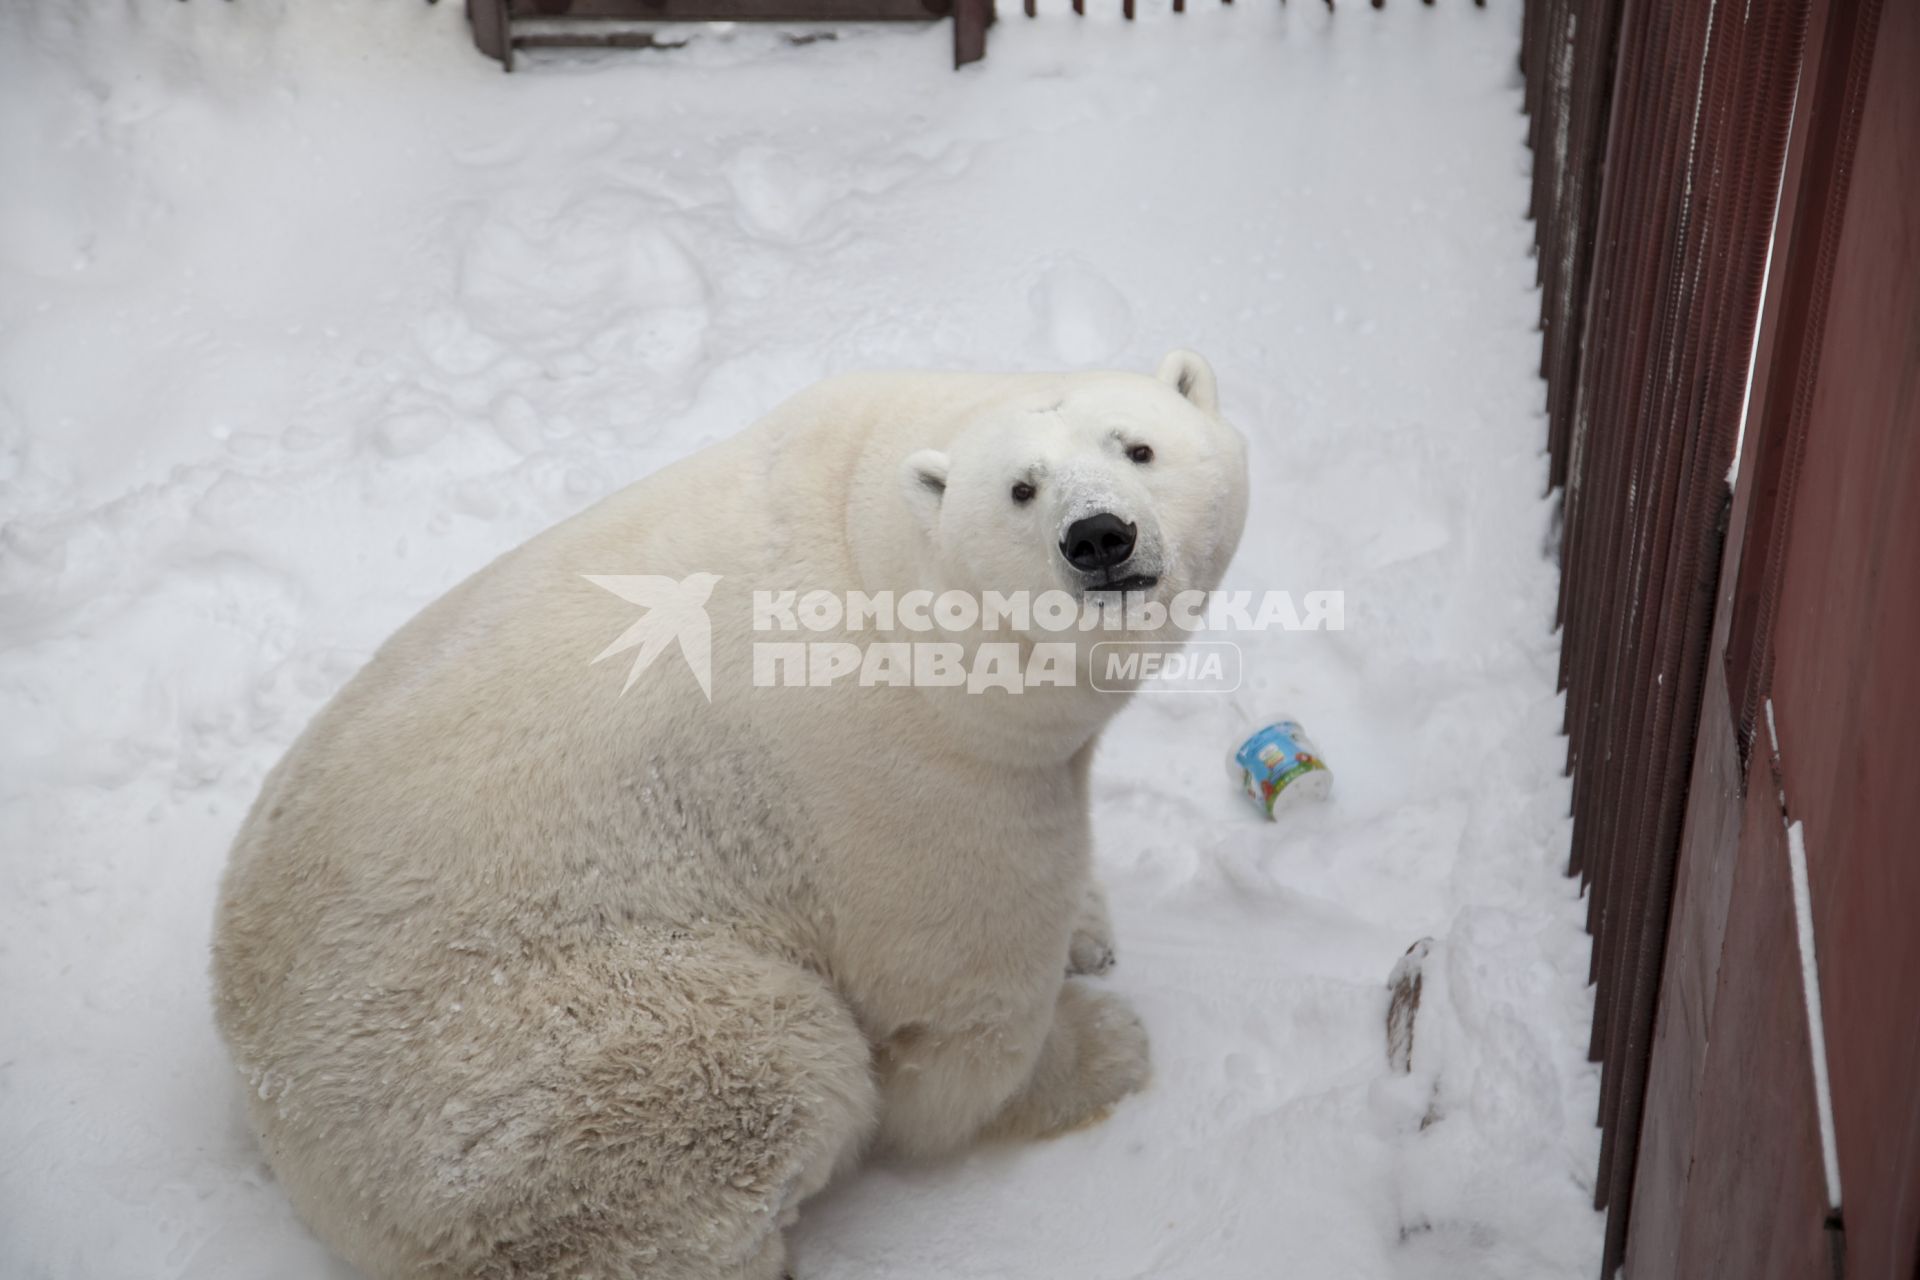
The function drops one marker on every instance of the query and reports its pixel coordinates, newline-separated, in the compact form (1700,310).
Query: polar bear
(537,966)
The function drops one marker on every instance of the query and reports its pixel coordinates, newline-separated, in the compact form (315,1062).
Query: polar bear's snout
(1105,518)
(1109,554)
(1108,538)
(1100,541)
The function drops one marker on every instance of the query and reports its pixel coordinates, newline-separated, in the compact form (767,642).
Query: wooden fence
(1678,312)
(501,27)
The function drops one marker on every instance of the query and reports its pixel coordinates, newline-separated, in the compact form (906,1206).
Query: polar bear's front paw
(1095,1055)
(1089,954)
(1091,950)
(1114,1056)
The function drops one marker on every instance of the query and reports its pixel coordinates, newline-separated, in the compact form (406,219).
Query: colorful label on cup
(1279,757)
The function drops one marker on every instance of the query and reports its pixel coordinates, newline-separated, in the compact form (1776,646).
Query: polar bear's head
(1111,484)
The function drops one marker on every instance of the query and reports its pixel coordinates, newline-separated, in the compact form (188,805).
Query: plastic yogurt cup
(1278,766)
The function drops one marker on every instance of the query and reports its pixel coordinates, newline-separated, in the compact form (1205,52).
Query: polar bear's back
(483,779)
(481,787)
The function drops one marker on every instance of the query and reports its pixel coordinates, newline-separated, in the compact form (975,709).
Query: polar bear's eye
(1022,492)
(1141,454)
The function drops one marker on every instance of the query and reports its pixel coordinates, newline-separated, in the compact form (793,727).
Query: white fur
(530,978)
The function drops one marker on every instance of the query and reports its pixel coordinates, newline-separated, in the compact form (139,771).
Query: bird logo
(675,611)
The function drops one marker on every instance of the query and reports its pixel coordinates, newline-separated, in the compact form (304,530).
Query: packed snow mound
(307,311)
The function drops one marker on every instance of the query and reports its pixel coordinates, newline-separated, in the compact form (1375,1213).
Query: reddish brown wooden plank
(489,21)
(970,19)
(1755,1200)
(1703,895)
(1833,84)
(733,10)
(1846,684)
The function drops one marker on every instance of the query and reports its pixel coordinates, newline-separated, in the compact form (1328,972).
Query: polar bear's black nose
(1098,542)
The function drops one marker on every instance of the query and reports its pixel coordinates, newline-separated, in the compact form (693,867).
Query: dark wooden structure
(500,27)
(1728,206)
(618,23)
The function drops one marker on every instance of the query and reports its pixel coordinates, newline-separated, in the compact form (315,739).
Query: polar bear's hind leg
(655,1108)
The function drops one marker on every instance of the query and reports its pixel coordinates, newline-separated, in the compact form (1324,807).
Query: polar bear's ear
(1189,373)
(923,477)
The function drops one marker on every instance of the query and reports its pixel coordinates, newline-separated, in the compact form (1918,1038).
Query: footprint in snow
(1079,315)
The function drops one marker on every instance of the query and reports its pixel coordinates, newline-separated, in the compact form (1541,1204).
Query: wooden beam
(489,21)
(970,18)
(733,10)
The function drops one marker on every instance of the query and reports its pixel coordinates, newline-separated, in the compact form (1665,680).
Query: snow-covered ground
(306,312)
